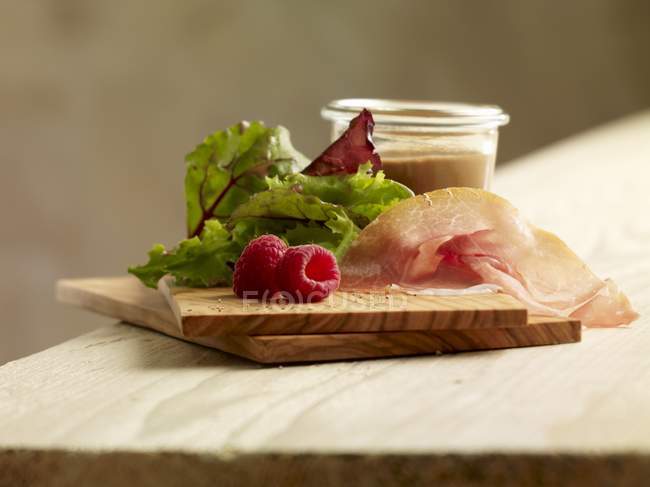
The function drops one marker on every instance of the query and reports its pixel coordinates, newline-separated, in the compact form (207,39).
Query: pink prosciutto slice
(461,237)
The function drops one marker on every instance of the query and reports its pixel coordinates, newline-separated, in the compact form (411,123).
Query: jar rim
(417,113)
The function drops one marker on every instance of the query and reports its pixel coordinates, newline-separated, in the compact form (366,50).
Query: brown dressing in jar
(426,173)
(428,145)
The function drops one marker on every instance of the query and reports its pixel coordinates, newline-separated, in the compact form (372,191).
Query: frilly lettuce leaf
(230,165)
(296,217)
(193,262)
(363,195)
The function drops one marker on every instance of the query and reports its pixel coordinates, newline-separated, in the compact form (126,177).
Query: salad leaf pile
(249,180)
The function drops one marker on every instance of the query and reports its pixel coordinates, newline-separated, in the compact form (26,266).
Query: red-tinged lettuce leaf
(230,165)
(353,148)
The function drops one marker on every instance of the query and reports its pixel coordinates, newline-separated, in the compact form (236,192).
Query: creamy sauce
(424,173)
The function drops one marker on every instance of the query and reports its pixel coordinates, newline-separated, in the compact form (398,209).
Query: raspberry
(308,273)
(255,268)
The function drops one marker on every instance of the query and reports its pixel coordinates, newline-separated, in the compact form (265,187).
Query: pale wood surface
(126,389)
(218,312)
(126,299)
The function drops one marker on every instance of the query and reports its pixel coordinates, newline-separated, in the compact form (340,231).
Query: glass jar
(428,145)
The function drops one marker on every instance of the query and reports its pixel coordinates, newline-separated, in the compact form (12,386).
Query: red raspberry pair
(306,273)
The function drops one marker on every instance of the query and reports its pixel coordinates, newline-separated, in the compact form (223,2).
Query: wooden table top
(125,403)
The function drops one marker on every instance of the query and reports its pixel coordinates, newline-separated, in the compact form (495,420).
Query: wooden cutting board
(218,312)
(126,299)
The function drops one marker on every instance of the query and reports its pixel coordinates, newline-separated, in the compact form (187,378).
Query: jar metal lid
(412,113)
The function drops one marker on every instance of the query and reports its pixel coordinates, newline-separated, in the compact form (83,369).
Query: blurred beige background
(99,102)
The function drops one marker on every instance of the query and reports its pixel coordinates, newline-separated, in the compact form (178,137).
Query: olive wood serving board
(218,312)
(126,299)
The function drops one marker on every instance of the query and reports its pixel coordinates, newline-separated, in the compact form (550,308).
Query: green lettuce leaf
(230,165)
(193,262)
(363,195)
(298,218)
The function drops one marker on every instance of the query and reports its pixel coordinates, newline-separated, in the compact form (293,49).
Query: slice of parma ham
(456,238)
